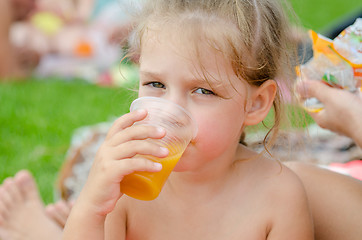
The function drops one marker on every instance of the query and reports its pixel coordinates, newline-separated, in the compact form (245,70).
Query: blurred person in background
(335,199)
(15,62)
(75,38)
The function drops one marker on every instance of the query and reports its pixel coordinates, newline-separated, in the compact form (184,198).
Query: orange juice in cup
(148,185)
(180,129)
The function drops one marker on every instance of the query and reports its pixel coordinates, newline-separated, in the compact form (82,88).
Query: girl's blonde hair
(253,35)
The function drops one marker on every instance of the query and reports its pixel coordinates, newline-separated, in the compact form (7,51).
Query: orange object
(83,49)
(148,185)
(323,45)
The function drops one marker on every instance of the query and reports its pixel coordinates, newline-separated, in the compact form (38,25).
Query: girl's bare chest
(197,223)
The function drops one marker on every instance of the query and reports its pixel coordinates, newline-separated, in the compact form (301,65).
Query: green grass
(37,118)
(318,14)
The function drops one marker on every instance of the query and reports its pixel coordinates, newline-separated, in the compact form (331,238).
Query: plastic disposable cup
(340,77)
(180,130)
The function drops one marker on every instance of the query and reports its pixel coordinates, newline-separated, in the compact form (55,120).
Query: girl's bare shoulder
(280,185)
(269,175)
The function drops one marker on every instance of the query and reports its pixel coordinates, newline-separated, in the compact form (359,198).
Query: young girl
(219,60)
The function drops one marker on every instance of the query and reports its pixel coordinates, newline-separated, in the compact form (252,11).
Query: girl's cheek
(205,133)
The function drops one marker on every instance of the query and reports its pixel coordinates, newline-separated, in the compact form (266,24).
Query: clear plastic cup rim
(194,126)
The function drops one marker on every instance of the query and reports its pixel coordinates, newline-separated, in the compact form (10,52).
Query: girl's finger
(125,121)
(137,132)
(137,164)
(116,170)
(143,147)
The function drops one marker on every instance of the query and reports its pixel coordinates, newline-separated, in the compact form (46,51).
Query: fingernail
(160,130)
(157,165)
(164,150)
(141,111)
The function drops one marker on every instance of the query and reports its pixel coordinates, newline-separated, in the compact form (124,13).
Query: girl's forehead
(205,49)
(198,61)
(197,54)
(191,32)
(166,36)
(189,44)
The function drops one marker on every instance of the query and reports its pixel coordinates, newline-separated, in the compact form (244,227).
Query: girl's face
(167,70)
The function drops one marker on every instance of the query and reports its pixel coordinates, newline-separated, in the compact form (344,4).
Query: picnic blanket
(313,145)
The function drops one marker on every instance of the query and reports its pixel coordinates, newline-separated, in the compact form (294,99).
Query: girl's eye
(204,91)
(155,84)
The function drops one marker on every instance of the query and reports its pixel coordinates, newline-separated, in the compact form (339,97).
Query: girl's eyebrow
(192,80)
(159,76)
(153,75)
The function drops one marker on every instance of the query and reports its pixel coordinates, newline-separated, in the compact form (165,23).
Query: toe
(56,212)
(13,191)
(27,184)
(4,211)
(6,194)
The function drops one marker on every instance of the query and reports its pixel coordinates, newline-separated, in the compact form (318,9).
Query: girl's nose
(177,98)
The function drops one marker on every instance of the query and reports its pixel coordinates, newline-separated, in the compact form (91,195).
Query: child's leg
(335,200)
(22,214)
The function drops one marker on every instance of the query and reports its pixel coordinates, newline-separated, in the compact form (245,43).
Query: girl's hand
(116,158)
(342,112)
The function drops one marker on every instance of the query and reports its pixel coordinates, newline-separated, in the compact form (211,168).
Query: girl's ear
(260,103)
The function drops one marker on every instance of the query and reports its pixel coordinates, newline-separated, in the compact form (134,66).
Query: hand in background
(342,112)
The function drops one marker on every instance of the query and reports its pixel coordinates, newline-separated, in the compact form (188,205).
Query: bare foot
(59,211)
(22,213)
